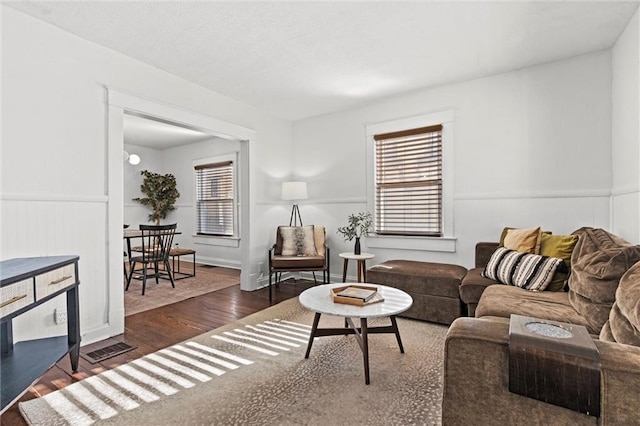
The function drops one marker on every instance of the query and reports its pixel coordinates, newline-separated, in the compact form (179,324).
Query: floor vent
(207,266)
(110,351)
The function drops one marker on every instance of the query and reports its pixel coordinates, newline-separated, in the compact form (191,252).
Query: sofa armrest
(471,288)
(484,250)
(476,381)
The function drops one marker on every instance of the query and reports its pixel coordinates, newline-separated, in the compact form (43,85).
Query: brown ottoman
(433,286)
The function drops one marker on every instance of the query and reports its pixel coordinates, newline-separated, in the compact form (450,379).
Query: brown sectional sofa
(603,295)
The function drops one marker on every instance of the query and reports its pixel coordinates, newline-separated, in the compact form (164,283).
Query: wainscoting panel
(55,226)
(625,212)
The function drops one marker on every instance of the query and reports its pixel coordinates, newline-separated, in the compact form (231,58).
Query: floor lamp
(293,191)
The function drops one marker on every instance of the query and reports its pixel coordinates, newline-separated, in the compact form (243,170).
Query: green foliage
(360,225)
(161,194)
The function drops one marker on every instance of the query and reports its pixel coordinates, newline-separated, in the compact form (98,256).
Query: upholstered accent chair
(299,249)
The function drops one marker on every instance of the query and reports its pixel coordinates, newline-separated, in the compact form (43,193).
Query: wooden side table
(361,267)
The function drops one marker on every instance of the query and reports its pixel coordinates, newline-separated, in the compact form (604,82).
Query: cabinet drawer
(53,281)
(16,296)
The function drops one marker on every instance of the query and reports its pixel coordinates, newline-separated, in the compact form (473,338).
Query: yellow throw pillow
(525,240)
(560,246)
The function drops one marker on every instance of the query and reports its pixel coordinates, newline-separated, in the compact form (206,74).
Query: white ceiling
(301,59)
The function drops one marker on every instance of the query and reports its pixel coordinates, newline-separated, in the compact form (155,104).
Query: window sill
(443,244)
(211,240)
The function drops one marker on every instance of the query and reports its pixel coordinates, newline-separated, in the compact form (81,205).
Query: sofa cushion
(623,325)
(560,246)
(298,241)
(526,240)
(598,262)
(473,285)
(529,271)
(502,301)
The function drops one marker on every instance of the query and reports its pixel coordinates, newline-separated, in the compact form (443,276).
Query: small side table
(361,267)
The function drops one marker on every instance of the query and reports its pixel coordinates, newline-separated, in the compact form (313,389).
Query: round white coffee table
(361,266)
(319,299)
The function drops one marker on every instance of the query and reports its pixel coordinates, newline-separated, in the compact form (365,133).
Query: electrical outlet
(261,268)
(60,316)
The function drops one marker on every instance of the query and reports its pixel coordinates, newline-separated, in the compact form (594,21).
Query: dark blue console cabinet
(27,283)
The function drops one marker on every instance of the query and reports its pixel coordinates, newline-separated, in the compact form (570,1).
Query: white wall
(54,167)
(150,159)
(625,133)
(531,147)
(179,162)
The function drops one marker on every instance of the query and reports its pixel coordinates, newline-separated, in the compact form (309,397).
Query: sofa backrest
(598,262)
(484,250)
(623,325)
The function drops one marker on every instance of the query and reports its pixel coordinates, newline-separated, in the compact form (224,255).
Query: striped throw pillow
(529,271)
(502,265)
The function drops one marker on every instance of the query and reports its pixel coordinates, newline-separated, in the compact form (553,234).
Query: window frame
(447,241)
(233,158)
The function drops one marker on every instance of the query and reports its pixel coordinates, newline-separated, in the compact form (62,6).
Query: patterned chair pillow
(298,241)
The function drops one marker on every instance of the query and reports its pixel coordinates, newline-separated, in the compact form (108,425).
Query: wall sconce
(133,159)
(294,191)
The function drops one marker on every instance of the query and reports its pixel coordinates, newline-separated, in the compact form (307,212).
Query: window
(215,199)
(408,182)
(433,234)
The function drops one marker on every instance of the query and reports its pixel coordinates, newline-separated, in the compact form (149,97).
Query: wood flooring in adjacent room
(159,328)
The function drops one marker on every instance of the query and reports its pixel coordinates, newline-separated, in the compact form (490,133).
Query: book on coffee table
(359,293)
(371,294)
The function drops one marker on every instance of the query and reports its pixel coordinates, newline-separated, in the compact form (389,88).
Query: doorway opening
(168,140)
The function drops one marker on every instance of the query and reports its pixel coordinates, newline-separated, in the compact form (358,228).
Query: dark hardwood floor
(159,328)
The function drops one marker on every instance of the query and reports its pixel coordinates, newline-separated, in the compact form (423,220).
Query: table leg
(365,348)
(362,271)
(73,325)
(6,336)
(129,251)
(394,325)
(314,329)
(344,270)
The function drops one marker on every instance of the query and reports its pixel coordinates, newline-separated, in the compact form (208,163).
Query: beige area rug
(207,279)
(253,372)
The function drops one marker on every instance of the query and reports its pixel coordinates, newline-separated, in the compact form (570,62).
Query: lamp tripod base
(295,216)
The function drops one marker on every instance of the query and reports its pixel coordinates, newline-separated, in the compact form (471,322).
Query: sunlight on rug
(253,371)
(207,279)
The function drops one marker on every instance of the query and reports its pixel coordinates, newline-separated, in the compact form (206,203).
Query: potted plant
(161,194)
(360,225)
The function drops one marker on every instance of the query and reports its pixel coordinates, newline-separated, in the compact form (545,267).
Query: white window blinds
(215,198)
(409,182)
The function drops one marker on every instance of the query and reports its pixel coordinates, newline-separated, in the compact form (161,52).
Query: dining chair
(156,245)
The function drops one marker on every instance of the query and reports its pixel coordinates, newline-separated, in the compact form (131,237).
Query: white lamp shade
(294,191)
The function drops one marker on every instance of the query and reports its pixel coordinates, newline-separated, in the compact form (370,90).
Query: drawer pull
(12,300)
(59,280)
